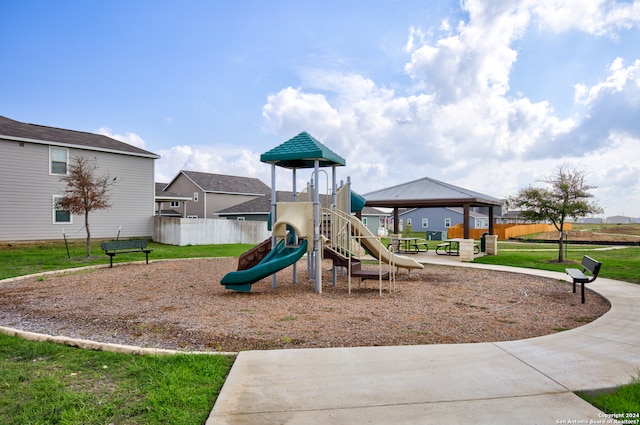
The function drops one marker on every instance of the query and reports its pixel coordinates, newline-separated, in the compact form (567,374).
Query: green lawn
(44,383)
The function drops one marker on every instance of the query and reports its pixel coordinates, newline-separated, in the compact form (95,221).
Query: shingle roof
(373,211)
(220,183)
(262,205)
(300,152)
(163,195)
(34,133)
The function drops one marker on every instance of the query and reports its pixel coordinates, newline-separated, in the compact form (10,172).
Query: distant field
(597,232)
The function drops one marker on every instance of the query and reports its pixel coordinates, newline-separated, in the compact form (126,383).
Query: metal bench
(579,276)
(117,247)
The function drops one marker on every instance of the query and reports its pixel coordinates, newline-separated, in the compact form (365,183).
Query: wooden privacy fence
(208,231)
(505,231)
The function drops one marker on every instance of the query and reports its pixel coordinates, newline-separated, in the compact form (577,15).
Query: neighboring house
(619,219)
(169,204)
(374,218)
(512,217)
(34,157)
(257,209)
(591,220)
(211,193)
(432,220)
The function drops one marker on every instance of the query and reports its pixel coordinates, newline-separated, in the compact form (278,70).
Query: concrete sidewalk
(516,382)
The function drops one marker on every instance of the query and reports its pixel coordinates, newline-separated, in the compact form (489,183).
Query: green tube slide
(277,259)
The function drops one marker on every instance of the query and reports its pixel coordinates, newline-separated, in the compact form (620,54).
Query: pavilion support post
(465,249)
(396,221)
(491,244)
(491,221)
(466,221)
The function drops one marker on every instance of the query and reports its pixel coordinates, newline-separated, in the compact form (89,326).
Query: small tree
(567,196)
(85,192)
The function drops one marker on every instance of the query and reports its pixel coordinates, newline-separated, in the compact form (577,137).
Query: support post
(466,221)
(316,228)
(273,215)
(491,244)
(295,196)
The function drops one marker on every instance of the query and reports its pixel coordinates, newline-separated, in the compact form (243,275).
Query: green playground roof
(301,151)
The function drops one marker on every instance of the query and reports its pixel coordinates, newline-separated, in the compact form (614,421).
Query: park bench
(579,276)
(117,247)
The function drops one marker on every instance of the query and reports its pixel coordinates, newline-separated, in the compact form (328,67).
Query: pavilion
(427,192)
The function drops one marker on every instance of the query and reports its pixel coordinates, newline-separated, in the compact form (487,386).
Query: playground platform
(515,382)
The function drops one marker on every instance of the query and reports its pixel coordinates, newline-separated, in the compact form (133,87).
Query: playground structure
(305,226)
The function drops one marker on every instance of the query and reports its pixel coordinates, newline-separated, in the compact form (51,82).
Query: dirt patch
(180,304)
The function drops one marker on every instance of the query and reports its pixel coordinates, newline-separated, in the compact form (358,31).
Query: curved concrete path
(516,382)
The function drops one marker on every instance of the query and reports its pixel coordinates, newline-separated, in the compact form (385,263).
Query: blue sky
(489,95)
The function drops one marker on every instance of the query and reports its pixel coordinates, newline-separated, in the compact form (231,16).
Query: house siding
(437,216)
(218,202)
(27,190)
(373,222)
(185,187)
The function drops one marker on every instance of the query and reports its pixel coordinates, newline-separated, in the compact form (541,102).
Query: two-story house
(34,157)
(211,193)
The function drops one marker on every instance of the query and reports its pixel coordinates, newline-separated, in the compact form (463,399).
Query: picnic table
(408,245)
(452,247)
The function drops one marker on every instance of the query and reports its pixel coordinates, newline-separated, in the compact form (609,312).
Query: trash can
(483,242)
(433,235)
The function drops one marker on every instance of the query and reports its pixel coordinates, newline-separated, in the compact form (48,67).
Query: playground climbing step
(340,260)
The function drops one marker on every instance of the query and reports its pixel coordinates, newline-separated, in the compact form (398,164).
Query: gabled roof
(300,152)
(34,133)
(427,192)
(262,205)
(374,211)
(165,196)
(224,184)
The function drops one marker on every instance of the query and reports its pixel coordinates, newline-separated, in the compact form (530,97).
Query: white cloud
(459,122)
(216,159)
(129,138)
(597,17)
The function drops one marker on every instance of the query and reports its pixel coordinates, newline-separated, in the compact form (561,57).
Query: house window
(192,216)
(425,223)
(59,157)
(175,204)
(447,222)
(364,220)
(195,196)
(60,215)
(240,218)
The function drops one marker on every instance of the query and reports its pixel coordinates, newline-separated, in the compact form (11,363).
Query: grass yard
(44,383)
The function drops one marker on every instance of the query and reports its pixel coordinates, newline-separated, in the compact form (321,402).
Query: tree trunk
(86,226)
(561,248)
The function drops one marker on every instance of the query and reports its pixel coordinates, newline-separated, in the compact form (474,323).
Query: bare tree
(85,191)
(567,196)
